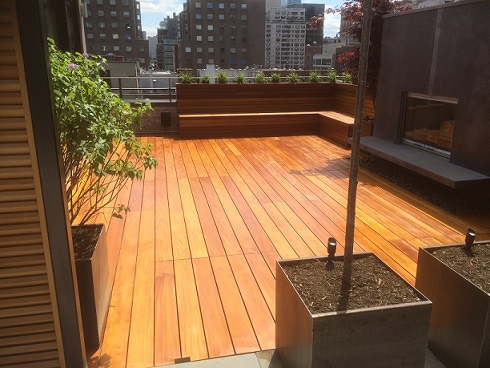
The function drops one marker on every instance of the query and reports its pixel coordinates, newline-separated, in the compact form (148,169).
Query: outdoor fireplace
(428,122)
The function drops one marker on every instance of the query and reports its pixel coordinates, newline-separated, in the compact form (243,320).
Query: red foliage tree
(352,13)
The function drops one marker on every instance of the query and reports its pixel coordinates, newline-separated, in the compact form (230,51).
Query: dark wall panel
(440,51)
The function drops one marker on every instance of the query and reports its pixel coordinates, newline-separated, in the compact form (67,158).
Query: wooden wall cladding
(28,325)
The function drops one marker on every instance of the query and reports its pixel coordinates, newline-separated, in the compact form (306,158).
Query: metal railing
(144,88)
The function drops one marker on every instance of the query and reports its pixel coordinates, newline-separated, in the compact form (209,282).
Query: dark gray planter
(391,336)
(459,333)
(94,291)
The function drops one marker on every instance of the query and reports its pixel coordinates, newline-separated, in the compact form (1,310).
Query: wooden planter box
(459,333)
(391,336)
(94,292)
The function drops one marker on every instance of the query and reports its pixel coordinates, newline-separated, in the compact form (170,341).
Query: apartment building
(113,30)
(167,36)
(285,38)
(228,34)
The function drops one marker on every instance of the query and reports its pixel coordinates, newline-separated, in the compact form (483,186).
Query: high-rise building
(168,35)
(228,34)
(285,38)
(113,30)
(313,36)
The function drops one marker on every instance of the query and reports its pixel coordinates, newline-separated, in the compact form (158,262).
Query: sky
(154,11)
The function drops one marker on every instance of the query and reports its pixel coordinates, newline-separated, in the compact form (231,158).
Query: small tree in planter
(100,154)
(377,335)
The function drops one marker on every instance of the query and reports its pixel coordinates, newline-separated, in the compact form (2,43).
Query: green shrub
(240,78)
(275,77)
(221,77)
(205,78)
(332,77)
(260,78)
(186,77)
(293,77)
(347,78)
(99,148)
(314,77)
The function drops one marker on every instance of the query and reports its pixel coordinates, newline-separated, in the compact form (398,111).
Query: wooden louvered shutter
(29,327)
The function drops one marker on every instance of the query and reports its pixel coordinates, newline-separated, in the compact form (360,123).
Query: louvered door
(29,328)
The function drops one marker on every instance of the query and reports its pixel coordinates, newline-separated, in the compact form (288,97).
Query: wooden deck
(193,262)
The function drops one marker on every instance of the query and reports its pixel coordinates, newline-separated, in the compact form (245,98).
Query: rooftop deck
(194,261)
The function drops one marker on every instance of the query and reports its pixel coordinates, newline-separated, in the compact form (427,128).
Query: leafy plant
(100,151)
(186,77)
(221,77)
(293,77)
(275,77)
(240,78)
(205,79)
(332,77)
(260,78)
(314,77)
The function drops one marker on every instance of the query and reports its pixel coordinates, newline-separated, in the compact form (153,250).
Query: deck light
(470,238)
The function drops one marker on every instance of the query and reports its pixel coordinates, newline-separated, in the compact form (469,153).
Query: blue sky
(153,11)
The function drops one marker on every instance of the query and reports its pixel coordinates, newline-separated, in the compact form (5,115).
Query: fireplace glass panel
(429,123)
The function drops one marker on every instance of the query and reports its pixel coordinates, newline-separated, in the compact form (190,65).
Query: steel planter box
(459,333)
(391,336)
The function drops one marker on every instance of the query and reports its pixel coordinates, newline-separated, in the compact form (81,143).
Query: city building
(167,35)
(285,38)
(113,30)
(313,36)
(226,34)
(326,59)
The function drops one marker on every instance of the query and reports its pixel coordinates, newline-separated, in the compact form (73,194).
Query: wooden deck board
(193,262)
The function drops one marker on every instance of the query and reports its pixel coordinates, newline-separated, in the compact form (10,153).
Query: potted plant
(100,154)
(365,335)
(456,279)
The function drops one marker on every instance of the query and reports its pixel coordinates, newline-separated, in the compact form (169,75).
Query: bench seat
(332,125)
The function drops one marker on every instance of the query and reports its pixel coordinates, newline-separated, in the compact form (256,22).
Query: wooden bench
(206,111)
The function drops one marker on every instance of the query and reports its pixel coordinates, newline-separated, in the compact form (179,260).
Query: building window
(198,27)
(187,49)
(101,24)
(116,48)
(127,37)
(125,2)
(243,17)
(103,48)
(221,16)
(141,49)
(103,36)
(210,38)
(129,48)
(100,13)
(126,14)
(114,25)
(244,6)
(111,2)
(210,49)
(198,5)
(199,38)
(211,61)
(232,6)
(210,5)
(198,16)
(115,36)
(90,36)
(210,16)
(113,13)
(88,24)
(210,27)
(199,49)
(221,5)
(100,2)
(233,50)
